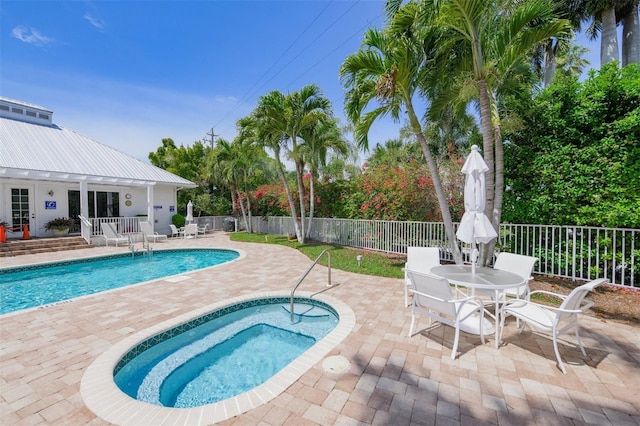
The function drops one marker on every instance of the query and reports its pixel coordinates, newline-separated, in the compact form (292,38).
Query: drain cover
(335,364)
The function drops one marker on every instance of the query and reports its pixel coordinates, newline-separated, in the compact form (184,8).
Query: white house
(49,171)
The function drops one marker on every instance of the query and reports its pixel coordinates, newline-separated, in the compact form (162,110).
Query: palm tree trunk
(487,144)
(437,183)
(249,221)
(631,36)
(303,210)
(244,213)
(549,62)
(287,190)
(609,50)
(234,198)
(312,205)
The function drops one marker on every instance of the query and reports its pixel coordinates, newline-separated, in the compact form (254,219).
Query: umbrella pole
(474,257)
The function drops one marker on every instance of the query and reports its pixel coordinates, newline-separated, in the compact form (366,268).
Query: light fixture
(359,260)
(51,193)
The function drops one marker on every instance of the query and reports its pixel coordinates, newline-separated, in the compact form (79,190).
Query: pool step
(41,245)
(305,311)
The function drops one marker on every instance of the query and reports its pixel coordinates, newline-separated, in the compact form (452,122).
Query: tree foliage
(577,159)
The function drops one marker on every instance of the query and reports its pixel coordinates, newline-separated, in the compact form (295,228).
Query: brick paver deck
(392,379)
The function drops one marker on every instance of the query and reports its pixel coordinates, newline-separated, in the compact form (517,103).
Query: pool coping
(101,394)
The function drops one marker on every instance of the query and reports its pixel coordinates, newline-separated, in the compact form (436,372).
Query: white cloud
(226,99)
(94,21)
(31,36)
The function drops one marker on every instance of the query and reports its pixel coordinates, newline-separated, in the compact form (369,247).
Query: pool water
(224,356)
(37,285)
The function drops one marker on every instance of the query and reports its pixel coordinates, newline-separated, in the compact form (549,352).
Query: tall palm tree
(490,41)
(630,32)
(280,120)
(320,138)
(388,69)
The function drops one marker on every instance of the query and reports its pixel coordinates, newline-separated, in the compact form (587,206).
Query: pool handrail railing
(293,290)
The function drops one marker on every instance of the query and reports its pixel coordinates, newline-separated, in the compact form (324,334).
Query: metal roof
(51,152)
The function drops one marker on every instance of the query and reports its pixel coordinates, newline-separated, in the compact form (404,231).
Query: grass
(343,258)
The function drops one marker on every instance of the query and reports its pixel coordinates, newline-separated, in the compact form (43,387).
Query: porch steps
(41,245)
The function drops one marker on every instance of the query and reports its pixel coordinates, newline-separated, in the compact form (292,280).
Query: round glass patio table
(486,279)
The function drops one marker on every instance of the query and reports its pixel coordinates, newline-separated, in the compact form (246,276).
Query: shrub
(59,223)
(178,220)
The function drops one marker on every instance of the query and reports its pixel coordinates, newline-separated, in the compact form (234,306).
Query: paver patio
(392,379)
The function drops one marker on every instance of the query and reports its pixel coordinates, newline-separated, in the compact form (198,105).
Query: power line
(310,44)
(249,92)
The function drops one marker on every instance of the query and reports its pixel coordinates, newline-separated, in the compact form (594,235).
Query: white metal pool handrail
(293,290)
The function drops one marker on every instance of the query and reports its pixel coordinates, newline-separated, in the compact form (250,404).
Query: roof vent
(24,111)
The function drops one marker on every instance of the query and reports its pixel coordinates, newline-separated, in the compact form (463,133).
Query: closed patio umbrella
(189,217)
(475,227)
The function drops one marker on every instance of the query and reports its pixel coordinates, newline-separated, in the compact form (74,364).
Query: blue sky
(130,73)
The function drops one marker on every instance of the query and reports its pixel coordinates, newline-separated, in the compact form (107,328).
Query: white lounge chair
(191,230)
(433,297)
(419,259)
(149,234)
(553,320)
(110,234)
(175,232)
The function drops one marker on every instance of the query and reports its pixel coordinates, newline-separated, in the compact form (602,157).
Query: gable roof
(52,152)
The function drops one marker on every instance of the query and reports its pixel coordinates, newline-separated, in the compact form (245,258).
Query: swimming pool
(223,353)
(104,398)
(37,285)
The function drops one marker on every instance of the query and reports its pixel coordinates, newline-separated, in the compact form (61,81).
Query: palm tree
(240,160)
(394,151)
(571,61)
(320,138)
(630,32)
(279,120)
(484,46)
(388,69)
(545,54)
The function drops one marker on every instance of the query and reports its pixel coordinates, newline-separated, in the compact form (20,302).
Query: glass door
(22,211)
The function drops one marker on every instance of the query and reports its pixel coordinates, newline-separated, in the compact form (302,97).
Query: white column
(84,199)
(150,209)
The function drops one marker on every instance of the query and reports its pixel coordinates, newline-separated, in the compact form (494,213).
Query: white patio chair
(149,234)
(191,230)
(419,259)
(203,229)
(553,320)
(110,234)
(175,232)
(519,265)
(433,297)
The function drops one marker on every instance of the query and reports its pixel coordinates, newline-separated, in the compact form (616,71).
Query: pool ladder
(293,290)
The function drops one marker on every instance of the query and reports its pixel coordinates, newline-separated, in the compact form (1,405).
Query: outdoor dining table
(487,279)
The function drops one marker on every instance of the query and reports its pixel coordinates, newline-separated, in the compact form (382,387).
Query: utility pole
(213,135)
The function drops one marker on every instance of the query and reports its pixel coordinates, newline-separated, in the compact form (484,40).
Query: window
(17,110)
(101,204)
(31,113)
(44,116)
(19,207)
